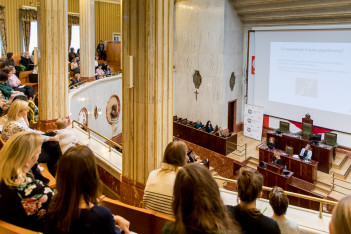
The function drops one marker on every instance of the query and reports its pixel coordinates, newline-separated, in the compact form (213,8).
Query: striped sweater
(158,194)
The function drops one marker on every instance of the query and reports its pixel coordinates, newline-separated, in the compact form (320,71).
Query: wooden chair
(8,228)
(289,150)
(141,220)
(47,174)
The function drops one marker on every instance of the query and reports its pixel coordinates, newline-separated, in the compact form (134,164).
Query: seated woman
(9,61)
(306,152)
(27,61)
(271,143)
(5,87)
(251,220)
(219,132)
(74,66)
(18,122)
(76,81)
(198,124)
(158,192)
(276,158)
(209,127)
(279,203)
(23,200)
(341,219)
(107,70)
(16,83)
(197,204)
(100,73)
(74,207)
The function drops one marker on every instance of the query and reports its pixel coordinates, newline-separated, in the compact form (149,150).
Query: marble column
(53,62)
(87,40)
(148,106)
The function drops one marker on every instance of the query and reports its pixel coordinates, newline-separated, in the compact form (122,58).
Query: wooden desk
(272,179)
(321,153)
(221,145)
(303,170)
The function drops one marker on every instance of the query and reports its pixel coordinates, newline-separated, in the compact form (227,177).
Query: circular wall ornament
(113,109)
(83,117)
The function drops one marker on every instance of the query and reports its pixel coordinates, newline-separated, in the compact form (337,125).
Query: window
(33,36)
(75,39)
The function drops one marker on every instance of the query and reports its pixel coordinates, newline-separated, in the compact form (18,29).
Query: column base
(49,125)
(131,193)
(87,79)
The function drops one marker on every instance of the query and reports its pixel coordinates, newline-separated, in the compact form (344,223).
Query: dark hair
(175,153)
(20,97)
(249,184)
(9,55)
(6,70)
(197,204)
(72,49)
(278,201)
(3,76)
(76,177)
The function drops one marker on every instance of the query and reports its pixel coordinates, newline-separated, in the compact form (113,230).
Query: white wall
(208,37)
(97,93)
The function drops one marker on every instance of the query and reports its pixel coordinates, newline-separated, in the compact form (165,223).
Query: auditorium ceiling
(293,12)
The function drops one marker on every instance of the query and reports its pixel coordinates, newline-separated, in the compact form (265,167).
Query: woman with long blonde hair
(341,219)
(23,200)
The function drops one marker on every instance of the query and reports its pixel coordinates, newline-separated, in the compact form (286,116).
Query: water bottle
(285,167)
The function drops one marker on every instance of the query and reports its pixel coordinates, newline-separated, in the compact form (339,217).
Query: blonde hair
(15,153)
(61,123)
(341,219)
(15,108)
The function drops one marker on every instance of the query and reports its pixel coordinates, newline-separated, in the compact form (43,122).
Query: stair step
(321,191)
(336,195)
(323,186)
(344,171)
(339,161)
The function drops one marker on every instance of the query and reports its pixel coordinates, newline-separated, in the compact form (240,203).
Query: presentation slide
(314,75)
(303,71)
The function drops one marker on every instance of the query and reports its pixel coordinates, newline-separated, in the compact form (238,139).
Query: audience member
(276,158)
(76,81)
(341,219)
(96,63)
(4,105)
(74,66)
(74,207)
(198,124)
(100,73)
(158,192)
(279,203)
(5,87)
(27,61)
(197,204)
(18,122)
(306,152)
(209,127)
(100,49)
(23,199)
(107,70)
(271,143)
(67,137)
(219,132)
(9,61)
(251,220)
(16,83)
(71,55)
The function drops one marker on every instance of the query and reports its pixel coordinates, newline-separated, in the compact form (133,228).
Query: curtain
(27,16)
(26,34)
(3,30)
(72,20)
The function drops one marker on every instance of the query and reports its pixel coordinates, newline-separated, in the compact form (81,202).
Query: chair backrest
(284,126)
(289,150)
(8,228)
(306,129)
(175,118)
(330,138)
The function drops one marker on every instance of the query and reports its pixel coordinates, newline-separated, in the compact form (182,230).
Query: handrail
(321,201)
(91,130)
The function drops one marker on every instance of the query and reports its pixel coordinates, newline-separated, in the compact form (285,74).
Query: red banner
(253,65)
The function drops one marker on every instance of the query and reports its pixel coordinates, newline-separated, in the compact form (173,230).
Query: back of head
(15,153)
(61,123)
(278,201)
(20,97)
(15,108)
(76,178)
(9,55)
(6,70)
(3,76)
(249,185)
(197,204)
(175,153)
(341,219)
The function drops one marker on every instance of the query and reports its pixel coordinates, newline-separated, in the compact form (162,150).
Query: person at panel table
(276,158)
(198,124)
(306,152)
(209,127)
(271,143)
